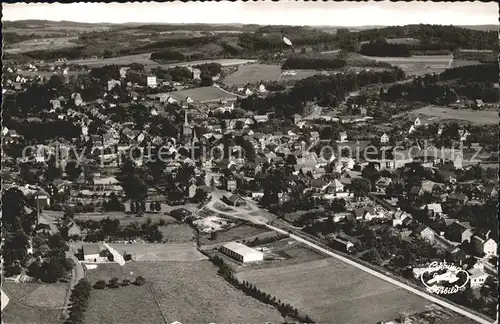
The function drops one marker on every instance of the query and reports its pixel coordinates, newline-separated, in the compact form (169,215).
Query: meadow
(439,114)
(334,292)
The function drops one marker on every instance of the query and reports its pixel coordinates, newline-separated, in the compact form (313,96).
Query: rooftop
(240,248)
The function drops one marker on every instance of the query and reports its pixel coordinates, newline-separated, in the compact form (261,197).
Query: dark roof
(91,248)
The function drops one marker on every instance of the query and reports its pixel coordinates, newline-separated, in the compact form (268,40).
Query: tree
(125,282)
(360,186)
(101,284)
(114,283)
(139,281)
(73,170)
(157,206)
(152,206)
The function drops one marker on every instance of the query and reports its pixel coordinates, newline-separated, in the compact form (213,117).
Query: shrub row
(79,301)
(256,241)
(285,309)
(115,283)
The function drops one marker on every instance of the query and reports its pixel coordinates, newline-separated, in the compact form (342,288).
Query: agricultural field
(254,73)
(421,65)
(161,252)
(192,292)
(202,95)
(330,290)
(439,114)
(41,44)
(136,305)
(37,294)
(33,303)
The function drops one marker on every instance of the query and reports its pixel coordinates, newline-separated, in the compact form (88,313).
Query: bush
(113,283)
(126,282)
(127,256)
(139,281)
(101,284)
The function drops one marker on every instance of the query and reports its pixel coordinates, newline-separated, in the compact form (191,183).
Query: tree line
(285,309)
(313,63)
(382,48)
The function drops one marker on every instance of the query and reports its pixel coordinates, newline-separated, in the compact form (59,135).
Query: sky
(264,12)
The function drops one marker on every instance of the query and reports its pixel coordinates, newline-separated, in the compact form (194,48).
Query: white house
(485,245)
(241,252)
(112,83)
(384,138)
(417,122)
(477,276)
(189,100)
(151,82)
(262,89)
(342,137)
(248,92)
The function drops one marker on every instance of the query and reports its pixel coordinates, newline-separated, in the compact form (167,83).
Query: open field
(16,313)
(178,233)
(192,292)
(136,305)
(46,295)
(41,44)
(444,113)
(202,95)
(48,74)
(234,233)
(161,252)
(145,59)
(253,73)
(335,292)
(38,294)
(420,65)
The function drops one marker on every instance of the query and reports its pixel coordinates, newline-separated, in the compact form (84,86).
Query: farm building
(91,252)
(241,252)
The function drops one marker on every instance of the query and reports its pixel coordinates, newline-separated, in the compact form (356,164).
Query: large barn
(241,252)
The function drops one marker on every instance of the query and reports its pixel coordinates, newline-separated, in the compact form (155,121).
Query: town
(163,188)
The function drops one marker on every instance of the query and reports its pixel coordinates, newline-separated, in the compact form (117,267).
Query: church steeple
(187,131)
(186,118)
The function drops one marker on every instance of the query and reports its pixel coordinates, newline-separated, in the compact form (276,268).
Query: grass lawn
(130,304)
(334,292)
(161,252)
(203,94)
(253,73)
(38,294)
(15,313)
(445,113)
(192,292)
(178,233)
(46,295)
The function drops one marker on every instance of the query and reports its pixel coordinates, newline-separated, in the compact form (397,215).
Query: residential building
(343,137)
(485,244)
(427,234)
(91,252)
(241,252)
(384,139)
(235,200)
(477,276)
(112,83)
(459,232)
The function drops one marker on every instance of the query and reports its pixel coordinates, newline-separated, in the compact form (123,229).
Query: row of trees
(381,47)
(450,36)
(79,301)
(112,229)
(285,309)
(313,63)
(115,283)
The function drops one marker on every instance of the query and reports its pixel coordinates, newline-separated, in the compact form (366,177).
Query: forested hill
(451,37)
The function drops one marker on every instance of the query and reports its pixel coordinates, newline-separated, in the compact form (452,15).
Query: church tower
(187,131)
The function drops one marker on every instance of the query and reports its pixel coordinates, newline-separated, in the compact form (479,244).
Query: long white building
(241,252)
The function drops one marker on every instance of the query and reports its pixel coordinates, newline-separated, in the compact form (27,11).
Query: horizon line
(238,23)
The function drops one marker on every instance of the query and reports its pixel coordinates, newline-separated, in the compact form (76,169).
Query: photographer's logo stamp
(444,279)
